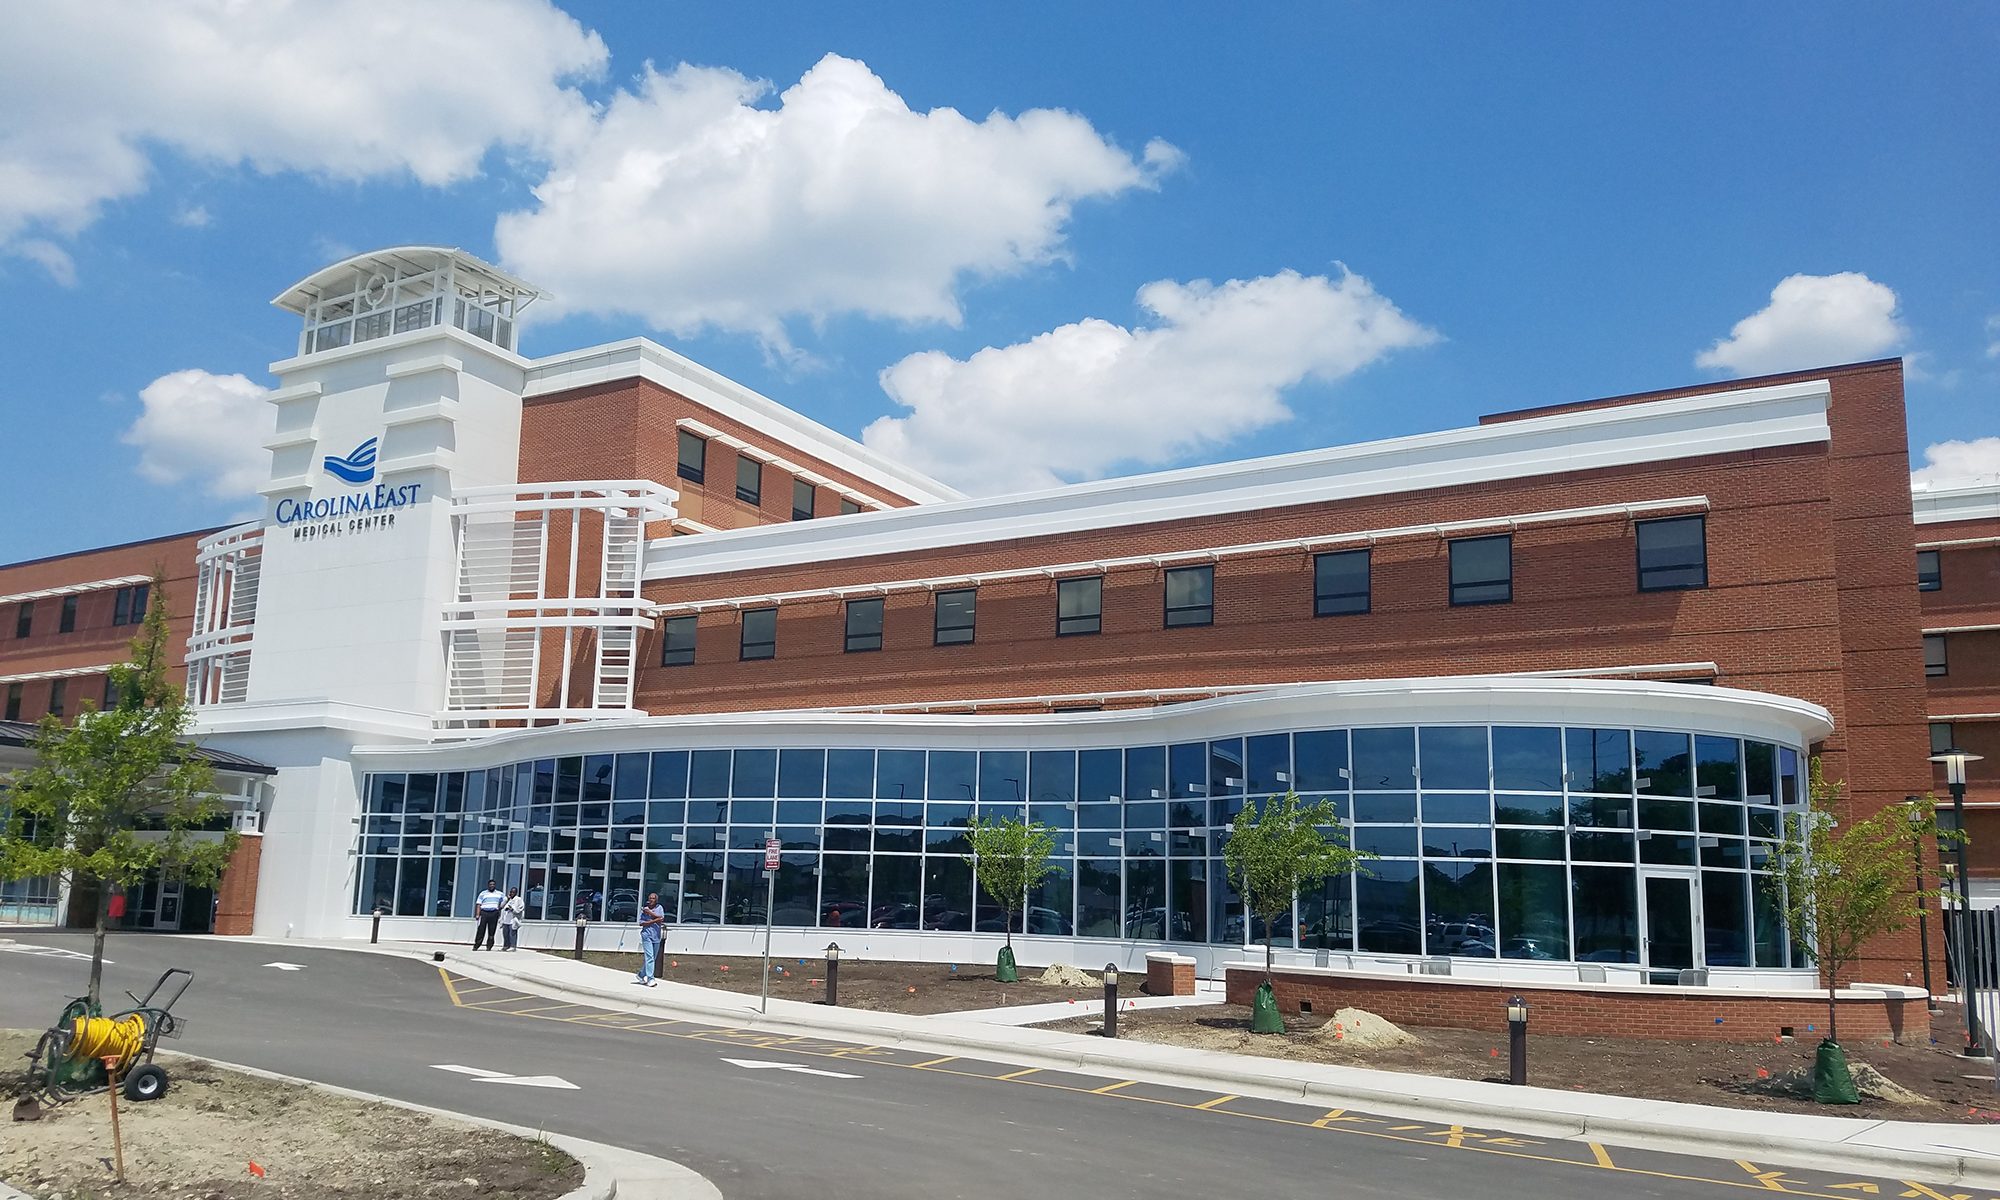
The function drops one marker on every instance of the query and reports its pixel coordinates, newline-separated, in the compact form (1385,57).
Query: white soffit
(643,358)
(71,589)
(1936,505)
(1587,439)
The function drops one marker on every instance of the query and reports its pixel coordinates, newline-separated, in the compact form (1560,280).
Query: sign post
(771,848)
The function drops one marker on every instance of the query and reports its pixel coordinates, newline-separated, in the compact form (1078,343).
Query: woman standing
(510,918)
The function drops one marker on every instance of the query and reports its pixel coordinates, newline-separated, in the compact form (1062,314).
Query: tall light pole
(1954,761)
(1916,815)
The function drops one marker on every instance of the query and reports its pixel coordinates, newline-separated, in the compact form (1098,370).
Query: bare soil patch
(1930,1082)
(197,1143)
(903,987)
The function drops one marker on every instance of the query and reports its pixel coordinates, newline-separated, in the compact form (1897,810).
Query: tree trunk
(97,946)
(1267,952)
(1832,1010)
(1010,929)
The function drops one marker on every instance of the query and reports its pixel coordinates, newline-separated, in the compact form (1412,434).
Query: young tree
(1277,850)
(1841,887)
(117,794)
(1009,857)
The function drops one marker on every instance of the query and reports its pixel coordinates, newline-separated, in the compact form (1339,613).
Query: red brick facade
(1595,1010)
(236,894)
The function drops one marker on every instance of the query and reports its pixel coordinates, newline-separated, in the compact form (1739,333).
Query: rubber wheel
(146,1083)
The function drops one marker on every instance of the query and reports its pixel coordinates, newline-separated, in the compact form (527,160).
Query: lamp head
(1517,1010)
(833,951)
(1954,761)
(1111,974)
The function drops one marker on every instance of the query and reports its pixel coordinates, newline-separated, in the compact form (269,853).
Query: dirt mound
(1064,975)
(1359,1029)
(1869,1082)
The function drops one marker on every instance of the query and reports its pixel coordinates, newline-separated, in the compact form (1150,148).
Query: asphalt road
(907,1126)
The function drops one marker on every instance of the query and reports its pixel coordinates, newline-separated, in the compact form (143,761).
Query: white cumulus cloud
(1959,464)
(1211,365)
(1993,336)
(351,89)
(1811,321)
(690,206)
(206,429)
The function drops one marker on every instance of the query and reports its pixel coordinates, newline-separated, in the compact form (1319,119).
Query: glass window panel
(1381,807)
(1146,901)
(801,773)
(1717,775)
(669,775)
(1145,773)
(1187,888)
(1100,775)
(843,891)
(899,774)
(1225,767)
(947,899)
(1482,570)
(1530,843)
(1268,765)
(1527,810)
(1052,776)
(569,780)
(1673,553)
(709,773)
(1526,759)
(1605,901)
(1326,915)
(756,773)
(953,617)
(1389,841)
(895,902)
(864,625)
(1763,822)
(678,639)
(1599,760)
(1534,912)
(1760,763)
(849,812)
(1725,916)
(749,479)
(1458,904)
(795,895)
(1788,776)
(1187,770)
(1097,897)
(1190,594)
(707,812)
(1340,583)
(898,839)
(987,915)
(1769,922)
(1457,809)
(421,796)
(1002,776)
(1458,841)
(850,773)
(1079,605)
(800,837)
(1150,814)
(1145,843)
(1592,846)
(1226,916)
(848,837)
(950,840)
(1099,816)
(750,812)
(1724,852)
(1454,757)
(1320,757)
(759,638)
(1725,819)
(948,815)
(704,837)
(953,774)
(629,782)
(1059,816)
(1662,763)
(1666,814)
(1389,909)
(1666,849)
(1601,813)
(1385,759)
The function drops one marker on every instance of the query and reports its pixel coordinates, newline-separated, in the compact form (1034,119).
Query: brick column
(236,892)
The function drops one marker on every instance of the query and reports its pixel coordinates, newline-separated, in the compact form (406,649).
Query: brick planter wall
(236,894)
(1591,1010)
(1169,974)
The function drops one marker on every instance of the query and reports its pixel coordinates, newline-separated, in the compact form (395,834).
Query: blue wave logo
(357,467)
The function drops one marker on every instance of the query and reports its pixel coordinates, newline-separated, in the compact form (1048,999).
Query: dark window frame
(672,655)
(1933,579)
(66,615)
(753,493)
(811,497)
(849,507)
(761,649)
(58,697)
(1367,593)
(946,635)
(860,643)
(1186,616)
(1096,617)
(1656,569)
(13,704)
(24,619)
(697,471)
(1948,739)
(1456,586)
(110,693)
(1943,664)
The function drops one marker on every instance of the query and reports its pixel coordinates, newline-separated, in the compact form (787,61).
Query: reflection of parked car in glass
(846,914)
(623,906)
(1048,921)
(895,916)
(1609,956)
(1526,947)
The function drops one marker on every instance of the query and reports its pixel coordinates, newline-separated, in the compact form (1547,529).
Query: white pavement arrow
(286,966)
(482,1075)
(751,1064)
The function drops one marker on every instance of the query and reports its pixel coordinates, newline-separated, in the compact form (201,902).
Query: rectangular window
(749,480)
(760,634)
(694,458)
(24,619)
(802,500)
(864,625)
(1190,596)
(110,694)
(1340,583)
(121,609)
(1482,570)
(142,600)
(955,613)
(1941,736)
(66,623)
(1930,572)
(1934,660)
(56,697)
(13,709)
(1079,605)
(848,507)
(677,642)
(1673,553)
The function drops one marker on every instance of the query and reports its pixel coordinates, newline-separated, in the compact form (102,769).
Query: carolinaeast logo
(357,467)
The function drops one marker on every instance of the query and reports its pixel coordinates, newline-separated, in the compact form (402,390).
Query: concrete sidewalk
(1949,1153)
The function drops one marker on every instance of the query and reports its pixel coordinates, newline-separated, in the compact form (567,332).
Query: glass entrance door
(169,914)
(1672,942)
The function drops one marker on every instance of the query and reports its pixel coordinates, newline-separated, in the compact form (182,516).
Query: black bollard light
(582,924)
(1111,1000)
(833,974)
(1517,1041)
(375,928)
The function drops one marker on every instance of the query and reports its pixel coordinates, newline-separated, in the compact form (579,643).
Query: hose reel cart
(69,1061)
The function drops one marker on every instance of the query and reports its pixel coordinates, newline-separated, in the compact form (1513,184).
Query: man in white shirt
(488,907)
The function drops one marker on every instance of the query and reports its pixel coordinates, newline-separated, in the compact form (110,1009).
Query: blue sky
(1428,213)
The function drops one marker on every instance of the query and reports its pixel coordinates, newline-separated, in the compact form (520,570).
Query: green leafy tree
(1009,857)
(1841,887)
(1276,850)
(117,795)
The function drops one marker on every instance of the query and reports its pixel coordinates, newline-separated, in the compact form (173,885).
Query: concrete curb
(608,1171)
(1885,1148)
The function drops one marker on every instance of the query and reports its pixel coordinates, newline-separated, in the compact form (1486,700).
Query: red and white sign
(771,847)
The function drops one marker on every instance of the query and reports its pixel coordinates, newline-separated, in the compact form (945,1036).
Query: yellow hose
(108,1037)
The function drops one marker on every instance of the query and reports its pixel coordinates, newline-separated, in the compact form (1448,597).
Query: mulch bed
(903,987)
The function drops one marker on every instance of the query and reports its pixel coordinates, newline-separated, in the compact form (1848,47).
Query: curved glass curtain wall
(1521,842)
